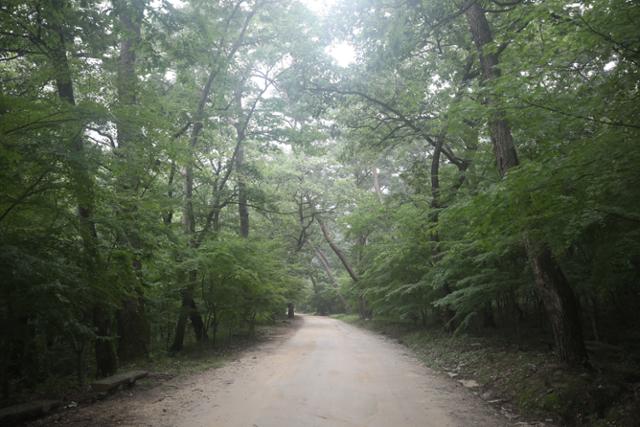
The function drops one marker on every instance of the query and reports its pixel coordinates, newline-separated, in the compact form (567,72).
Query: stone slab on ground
(113,382)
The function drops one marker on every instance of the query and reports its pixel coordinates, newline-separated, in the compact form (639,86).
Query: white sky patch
(157,4)
(319,7)
(610,65)
(170,76)
(285,148)
(342,52)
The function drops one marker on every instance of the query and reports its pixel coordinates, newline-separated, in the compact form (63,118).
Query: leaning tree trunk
(341,256)
(83,189)
(327,269)
(364,311)
(560,302)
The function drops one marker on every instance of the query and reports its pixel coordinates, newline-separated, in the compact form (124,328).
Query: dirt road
(327,373)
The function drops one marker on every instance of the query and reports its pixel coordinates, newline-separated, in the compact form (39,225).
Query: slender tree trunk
(560,302)
(447,313)
(83,188)
(168,216)
(181,327)
(363,308)
(290,311)
(325,265)
(488,320)
(134,330)
(197,324)
(106,360)
(337,251)
(189,308)
(81,374)
(376,184)
(243,209)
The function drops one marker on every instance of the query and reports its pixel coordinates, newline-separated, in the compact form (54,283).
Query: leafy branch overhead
(175,173)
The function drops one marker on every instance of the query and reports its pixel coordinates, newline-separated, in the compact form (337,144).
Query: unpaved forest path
(326,373)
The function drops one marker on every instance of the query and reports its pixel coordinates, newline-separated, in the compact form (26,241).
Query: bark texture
(290,311)
(83,188)
(560,302)
(134,330)
(188,311)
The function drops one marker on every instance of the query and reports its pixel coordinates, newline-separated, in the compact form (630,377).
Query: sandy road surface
(327,373)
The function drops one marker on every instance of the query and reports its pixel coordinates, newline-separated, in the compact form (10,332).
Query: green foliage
(128,196)
(244,280)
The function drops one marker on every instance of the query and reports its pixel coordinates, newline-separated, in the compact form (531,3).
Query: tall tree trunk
(447,313)
(376,184)
(290,311)
(83,188)
(168,216)
(189,308)
(560,302)
(134,330)
(106,360)
(243,209)
(241,128)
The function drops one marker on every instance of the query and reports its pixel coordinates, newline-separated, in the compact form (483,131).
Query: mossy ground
(525,377)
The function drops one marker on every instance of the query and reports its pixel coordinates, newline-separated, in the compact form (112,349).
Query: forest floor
(167,374)
(521,378)
(319,372)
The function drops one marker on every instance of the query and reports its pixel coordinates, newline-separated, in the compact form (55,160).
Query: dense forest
(175,172)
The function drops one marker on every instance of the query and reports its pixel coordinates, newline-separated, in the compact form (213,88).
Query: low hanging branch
(336,250)
(325,264)
(395,114)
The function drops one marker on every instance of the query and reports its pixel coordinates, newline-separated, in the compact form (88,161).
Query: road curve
(333,374)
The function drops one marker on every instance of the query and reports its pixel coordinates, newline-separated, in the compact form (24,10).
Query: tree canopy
(176,165)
